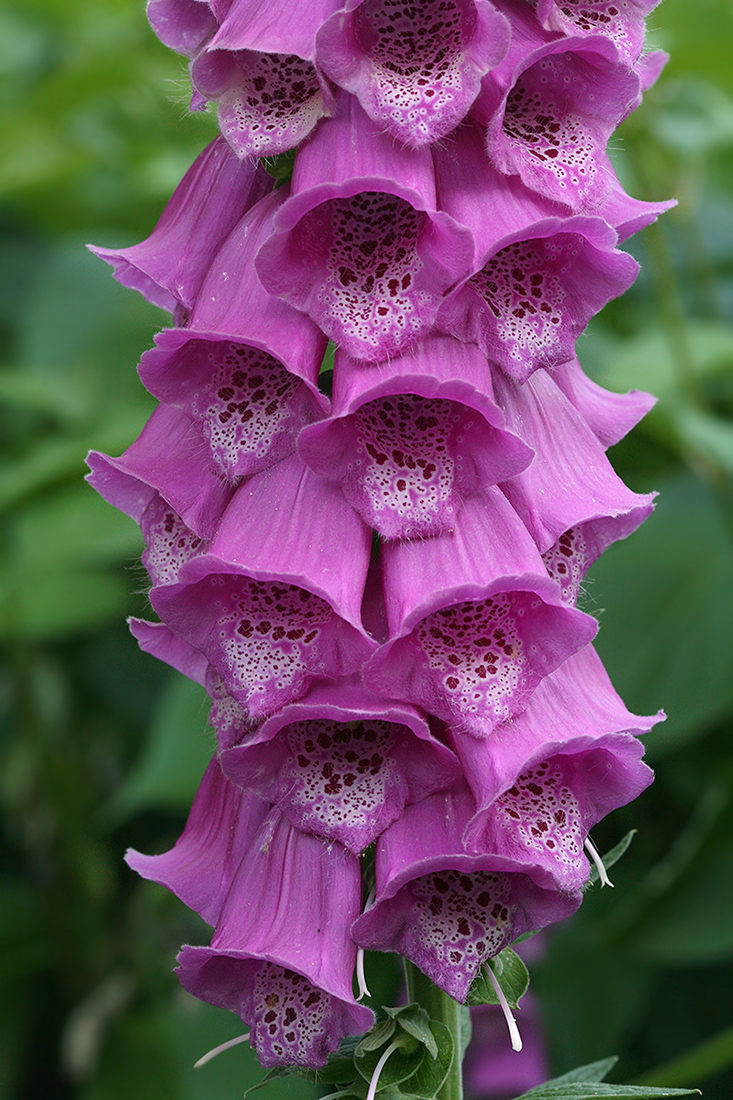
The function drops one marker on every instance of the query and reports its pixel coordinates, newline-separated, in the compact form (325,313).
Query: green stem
(439,1006)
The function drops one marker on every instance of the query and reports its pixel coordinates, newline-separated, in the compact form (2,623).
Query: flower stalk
(440,1006)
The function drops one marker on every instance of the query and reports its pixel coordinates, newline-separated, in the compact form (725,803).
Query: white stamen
(602,872)
(511,1023)
(360,975)
(378,1070)
(219,1050)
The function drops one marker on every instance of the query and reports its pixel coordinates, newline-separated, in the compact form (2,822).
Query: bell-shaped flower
(169,266)
(245,367)
(415,69)
(183,25)
(570,499)
(342,763)
(550,107)
(230,721)
(447,910)
(544,779)
(221,827)
(260,68)
(413,437)
(167,461)
(475,622)
(623,23)
(538,278)
(166,482)
(276,600)
(609,415)
(359,245)
(281,956)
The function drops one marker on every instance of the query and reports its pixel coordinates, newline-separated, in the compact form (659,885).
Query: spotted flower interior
(374,570)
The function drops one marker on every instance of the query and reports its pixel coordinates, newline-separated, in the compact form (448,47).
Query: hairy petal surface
(550,107)
(260,68)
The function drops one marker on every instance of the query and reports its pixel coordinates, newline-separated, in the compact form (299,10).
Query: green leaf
(579,1091)
(404,1060)
(379,1036)
(511,974)
(610,858)
(415,1021)
(589,1074)
(431,1074)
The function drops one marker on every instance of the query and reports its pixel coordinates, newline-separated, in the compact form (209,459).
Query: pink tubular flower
(167,462)
(444,909)
(169,266)
(275,602)
(397,439)
(415,69)
(342,764)
(281,956)
(622,21)
(610,416)
(537,278)
(359,245)
(546,778)
(261,70)
(550,108)
(245,367)
(570,491)
(475,622)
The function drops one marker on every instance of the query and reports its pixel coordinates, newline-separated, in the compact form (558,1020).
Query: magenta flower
(552,773)
(275,603)
(284,964)
(205,860)
(474,620)
(570,499)
(342,764)
(415,70)
(447,910)
(550,107)
(537,278)
(610,416)
(245,367)
(168,463)
(622,23)
(281,956)
(169,266)
(396,439)
(360,245)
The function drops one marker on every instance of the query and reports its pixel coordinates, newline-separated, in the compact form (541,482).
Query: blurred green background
(100,748)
